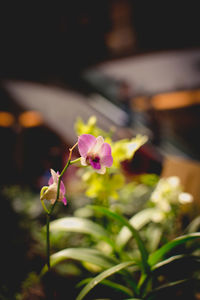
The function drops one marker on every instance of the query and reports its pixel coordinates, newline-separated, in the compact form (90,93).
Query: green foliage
(149,266)
(128,237)
(92,256)
(89,127)
(161,252)
(134,233)
(81,225)
(138,221)
(101,277)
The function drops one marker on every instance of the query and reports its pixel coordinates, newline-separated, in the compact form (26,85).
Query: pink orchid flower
(50,192)
(95,152)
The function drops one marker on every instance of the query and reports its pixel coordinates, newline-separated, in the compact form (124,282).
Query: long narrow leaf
(110,284)
(80,225)
(81,254)
(96,280)
(137,221)
(118,287)
(160,253)
(166,288)
(194,225)
(195,260)
(167,262)
(177,267)
(135,234)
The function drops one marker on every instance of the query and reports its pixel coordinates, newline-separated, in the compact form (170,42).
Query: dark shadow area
(56,41)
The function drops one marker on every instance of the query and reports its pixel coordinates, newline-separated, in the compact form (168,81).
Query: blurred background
(135,65)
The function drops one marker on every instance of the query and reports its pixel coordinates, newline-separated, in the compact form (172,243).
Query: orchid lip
(94,161)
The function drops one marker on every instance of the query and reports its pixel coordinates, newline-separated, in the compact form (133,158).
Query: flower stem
(60,176)
(49,212)
(75,161)
(48,241)
(44,206)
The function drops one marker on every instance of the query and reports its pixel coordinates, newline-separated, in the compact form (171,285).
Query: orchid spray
(54,192)
(93,151)
(131,244)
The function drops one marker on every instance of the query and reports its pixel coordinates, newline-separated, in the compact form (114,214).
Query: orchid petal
(98,144)
(50,193)
(107,161)
(50,182)
(83,161)
(64,200)
(106,157)
(105,149)
(85,143)
(102,170)
(62,187)
(54,175)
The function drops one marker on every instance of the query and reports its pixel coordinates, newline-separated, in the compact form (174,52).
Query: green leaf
(118,287)
(176,258)
(96,280)
(160,253)
(81,254)
(177,267)
(194,225)
(166,288)
(137,221)
(166,262)
(135,234)
(110,284)
(80,225)
(154,235)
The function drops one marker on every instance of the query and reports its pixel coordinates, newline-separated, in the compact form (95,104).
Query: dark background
(55,40)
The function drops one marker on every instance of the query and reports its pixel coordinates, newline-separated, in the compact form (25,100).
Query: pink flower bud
(50,193)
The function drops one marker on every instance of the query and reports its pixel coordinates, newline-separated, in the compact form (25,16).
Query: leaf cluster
(136,252)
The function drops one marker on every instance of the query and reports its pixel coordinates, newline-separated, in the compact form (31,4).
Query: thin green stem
(75,161)
(44,206)
(48,241)
(49,212)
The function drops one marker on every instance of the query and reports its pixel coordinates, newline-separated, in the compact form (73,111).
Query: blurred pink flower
(50,193)
(95,152)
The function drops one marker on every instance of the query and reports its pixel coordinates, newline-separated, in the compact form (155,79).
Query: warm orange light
(30,119)
(175,100)
(166,101)
(140,103)
(6,119)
